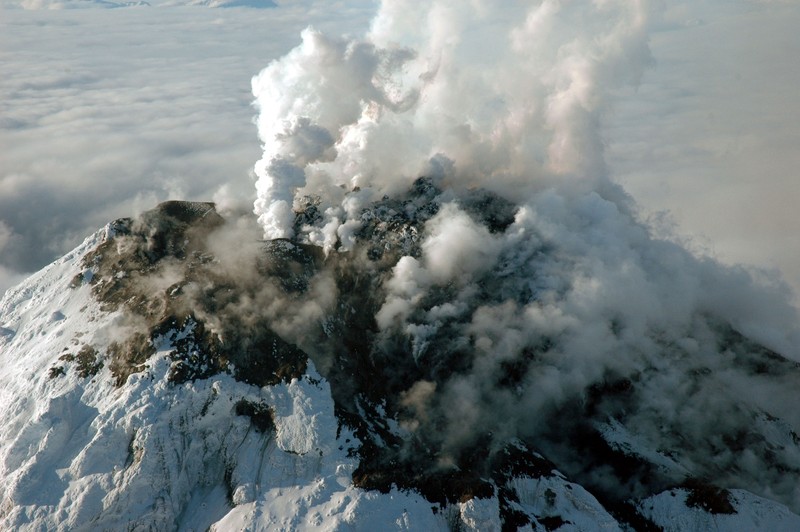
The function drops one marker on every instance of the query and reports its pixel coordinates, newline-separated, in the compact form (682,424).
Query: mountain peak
(435,372)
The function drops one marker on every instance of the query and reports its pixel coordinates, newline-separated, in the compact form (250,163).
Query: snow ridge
(137,396)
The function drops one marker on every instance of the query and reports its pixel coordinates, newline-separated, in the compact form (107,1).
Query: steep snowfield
(82,449)
(78,453)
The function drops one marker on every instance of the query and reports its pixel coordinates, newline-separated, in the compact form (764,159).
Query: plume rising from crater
(526,285)
(448,316)
(505,96)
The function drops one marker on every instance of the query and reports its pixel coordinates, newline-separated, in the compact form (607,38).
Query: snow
(556,497)
(481,515)
(303,415)
(321,506)
(669,510)
(621,439)
(79,453)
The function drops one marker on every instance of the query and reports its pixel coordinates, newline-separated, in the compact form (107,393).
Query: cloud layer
(104,113)
(515,100)
(706,135)
(91,128)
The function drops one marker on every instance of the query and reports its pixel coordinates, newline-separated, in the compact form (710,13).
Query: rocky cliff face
(168,374)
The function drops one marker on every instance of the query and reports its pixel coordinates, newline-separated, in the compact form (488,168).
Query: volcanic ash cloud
(505,96)
(507,99)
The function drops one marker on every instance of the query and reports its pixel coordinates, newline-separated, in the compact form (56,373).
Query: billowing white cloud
(104,113)
(101,118)
(512,94)
(514,322)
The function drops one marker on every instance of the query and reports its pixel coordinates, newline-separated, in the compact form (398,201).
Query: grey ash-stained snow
(196,380)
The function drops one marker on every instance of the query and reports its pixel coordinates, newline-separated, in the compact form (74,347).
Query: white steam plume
(510,97)
(505,95)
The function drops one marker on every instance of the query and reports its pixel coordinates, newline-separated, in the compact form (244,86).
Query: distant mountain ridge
(167,374)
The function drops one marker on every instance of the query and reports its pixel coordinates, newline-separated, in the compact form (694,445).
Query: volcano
(159,377)
(444,315)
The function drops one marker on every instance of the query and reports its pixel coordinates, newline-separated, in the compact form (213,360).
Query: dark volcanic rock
(172,239)
(263,324)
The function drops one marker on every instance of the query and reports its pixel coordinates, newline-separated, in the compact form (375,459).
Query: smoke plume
(568,303)
(509,97)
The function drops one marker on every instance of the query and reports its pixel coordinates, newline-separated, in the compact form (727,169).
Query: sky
(106,112)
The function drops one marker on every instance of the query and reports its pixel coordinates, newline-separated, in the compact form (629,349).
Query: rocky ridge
(280,370)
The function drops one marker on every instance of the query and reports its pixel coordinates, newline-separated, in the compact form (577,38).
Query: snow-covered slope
(669,509)
(79,453)
(167,375)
